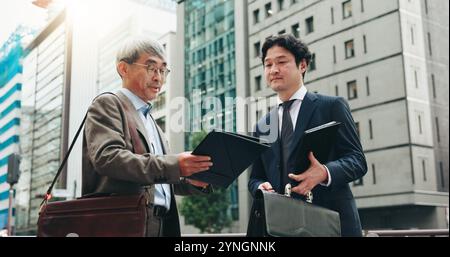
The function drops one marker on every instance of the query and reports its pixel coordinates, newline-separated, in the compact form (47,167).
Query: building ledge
(415,197)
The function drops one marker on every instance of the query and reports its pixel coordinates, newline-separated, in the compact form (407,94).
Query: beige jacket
(110,166)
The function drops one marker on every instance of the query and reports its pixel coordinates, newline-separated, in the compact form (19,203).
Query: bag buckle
(309,197)
(287,190)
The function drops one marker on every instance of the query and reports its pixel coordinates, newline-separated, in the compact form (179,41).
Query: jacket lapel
(138,121)
(304,116)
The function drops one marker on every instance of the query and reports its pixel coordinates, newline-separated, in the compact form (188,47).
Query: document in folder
(319,140)
(230,154)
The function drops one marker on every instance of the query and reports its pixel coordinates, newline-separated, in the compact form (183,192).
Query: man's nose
(157,76)
(274,69)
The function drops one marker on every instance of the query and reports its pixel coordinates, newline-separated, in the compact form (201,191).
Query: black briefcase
(279,215)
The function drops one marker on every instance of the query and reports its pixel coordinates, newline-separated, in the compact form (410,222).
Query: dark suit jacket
(110,166)
(347,159)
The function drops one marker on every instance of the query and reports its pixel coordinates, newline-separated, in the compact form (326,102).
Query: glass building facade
(10,91)
(210,74)
(42,122)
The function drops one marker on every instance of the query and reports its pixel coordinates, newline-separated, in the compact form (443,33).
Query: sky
(16,12)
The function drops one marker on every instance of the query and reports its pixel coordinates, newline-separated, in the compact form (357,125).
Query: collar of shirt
(295,107)
(298,95)
(137,102)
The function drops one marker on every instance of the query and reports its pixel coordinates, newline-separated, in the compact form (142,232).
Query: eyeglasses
(152,70)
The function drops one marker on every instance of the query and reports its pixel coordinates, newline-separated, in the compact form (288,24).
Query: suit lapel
(274,120)
(138,121)
(268,129)
(304,115)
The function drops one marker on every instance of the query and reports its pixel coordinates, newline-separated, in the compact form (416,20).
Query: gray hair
(132,49)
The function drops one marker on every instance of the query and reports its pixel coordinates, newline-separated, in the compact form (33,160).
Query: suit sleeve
(257,174)
(110,153)
(350,163)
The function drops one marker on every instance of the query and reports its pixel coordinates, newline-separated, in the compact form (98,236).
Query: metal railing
(406,233)
(366,233)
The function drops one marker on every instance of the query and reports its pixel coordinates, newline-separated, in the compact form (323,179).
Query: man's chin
(277,87)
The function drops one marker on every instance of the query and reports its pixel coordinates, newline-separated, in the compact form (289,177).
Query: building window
(433,85)
(162,123)
(258,114)
(374,177)
(349,49)
(429,44)
(309,25)
(358,182)
(332,15)
(280,5)
(296,30)
(357,129)
(424,170)
(160,102)
(269,11)
(281,32)
(334,54)
(438,136)
(412,35)
(370,129)
(256,16)
(362,5)
(312,64)
(426,6)
(365,44)
(352,91)
(347,9)
(257,49)
(419,119)
(367,86)
(416,79)
(258,83)
(336,90)
(441,170)
(293,2)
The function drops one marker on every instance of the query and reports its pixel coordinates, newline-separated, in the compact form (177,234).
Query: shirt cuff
(260,186)
(329,177)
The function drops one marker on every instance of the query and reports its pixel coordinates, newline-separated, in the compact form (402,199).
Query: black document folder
(230,154)
(319,140)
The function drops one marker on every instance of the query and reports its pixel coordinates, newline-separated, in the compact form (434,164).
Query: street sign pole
(10,210)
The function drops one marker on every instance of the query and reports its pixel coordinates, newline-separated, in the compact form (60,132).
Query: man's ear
(122,68)
(303,66)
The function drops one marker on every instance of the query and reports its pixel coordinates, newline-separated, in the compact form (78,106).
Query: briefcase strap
(138,146)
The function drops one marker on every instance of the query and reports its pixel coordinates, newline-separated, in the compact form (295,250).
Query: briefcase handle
(138,146)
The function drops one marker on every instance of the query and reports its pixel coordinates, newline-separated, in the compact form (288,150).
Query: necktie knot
(287,105)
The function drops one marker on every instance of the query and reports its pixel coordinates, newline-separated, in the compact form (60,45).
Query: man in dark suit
(285,61)
(109,163)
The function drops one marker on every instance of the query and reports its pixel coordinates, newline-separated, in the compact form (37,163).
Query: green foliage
(208,212)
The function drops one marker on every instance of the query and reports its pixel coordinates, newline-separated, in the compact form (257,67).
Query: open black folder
(230,154)
(319,140)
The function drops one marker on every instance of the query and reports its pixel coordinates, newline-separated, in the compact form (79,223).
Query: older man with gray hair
(110,164)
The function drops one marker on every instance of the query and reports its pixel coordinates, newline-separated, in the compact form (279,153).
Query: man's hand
(314,175)
(266,186)
(191,164)
(197,183)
